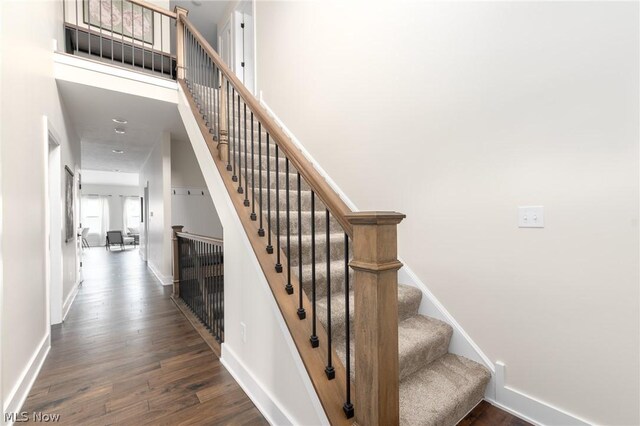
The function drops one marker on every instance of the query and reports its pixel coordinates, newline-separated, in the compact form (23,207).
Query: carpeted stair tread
(421,340)
(442,393)
(408,302)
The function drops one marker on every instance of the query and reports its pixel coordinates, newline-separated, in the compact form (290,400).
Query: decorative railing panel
(129,33)
(200,272)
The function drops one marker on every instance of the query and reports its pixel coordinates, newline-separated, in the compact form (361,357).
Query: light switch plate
(531,217)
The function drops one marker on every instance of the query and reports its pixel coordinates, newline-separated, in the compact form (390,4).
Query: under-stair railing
(132,33)
(199,278)
(279,196)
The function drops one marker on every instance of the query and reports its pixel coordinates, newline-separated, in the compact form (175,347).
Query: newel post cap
(375,218)
(180,10)
(177,228)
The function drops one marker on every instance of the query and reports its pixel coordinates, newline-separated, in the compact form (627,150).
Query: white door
(246,51)
(224,44)
(54,232)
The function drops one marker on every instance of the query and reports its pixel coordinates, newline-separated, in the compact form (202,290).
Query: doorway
(54,230)
(236,44)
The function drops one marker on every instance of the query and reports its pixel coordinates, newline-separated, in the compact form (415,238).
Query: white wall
(191,203)
(29,92)
(157,173)
(457,113)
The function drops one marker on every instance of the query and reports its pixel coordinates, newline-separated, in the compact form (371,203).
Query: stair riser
(337,279)
(334,226)
(407,307)
(336,246)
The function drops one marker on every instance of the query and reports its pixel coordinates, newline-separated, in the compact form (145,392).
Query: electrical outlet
(243,331)
(531,217)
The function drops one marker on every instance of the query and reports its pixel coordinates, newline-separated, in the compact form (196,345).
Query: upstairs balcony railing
(133,34)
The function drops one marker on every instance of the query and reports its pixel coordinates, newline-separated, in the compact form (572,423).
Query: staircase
(333,272)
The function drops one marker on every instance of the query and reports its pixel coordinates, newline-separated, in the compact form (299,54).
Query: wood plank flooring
(486,414)
(126,355)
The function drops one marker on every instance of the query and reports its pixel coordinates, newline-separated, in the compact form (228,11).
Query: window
(131,214)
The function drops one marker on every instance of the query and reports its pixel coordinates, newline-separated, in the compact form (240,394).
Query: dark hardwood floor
(126,355)
(486,414)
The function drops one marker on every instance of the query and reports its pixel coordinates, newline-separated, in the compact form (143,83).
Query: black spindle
(233,134)
(278,263)
(253,180)
(269,246)
(261,229)
(246,179)
(348,406)
(288,287)
(314,337)
(301,312)
(240,189)
(329,370)
(229,167)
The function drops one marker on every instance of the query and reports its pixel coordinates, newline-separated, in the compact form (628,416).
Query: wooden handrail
(155,8)
(203,238)
(318,184)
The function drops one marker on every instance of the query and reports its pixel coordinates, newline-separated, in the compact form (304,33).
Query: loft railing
(199,279)
(278,193)
(129,33)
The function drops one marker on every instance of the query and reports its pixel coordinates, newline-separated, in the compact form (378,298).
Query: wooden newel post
(176,260)
(180,62)
(223,143)
(375,265)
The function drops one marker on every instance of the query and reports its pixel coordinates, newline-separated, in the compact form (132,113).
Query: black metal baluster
(246,180)
(269,246)
(288,287)
(301,312)
(218,292)
(329,370)
(253,177)
(314,337)
(201,280)
(261,229)
(240,189)
(348,406)
(210,288)
(229,168)
(278,262)
(233,134)
(162,45)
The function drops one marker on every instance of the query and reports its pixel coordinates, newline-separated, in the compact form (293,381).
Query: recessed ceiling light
(119,120)
(117,151)
(120,131)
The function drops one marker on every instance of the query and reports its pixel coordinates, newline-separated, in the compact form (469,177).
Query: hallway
(126,355)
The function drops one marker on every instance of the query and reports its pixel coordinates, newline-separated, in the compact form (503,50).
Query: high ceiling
(204,14)
(92,110)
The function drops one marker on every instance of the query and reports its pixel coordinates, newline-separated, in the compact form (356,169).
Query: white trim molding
(529,408)
(70,299)
(18,395)
(164,279)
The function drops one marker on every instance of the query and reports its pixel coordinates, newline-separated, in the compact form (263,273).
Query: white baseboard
(66,306)
(529,408)
(21,389)
(164,279)
(263,400)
